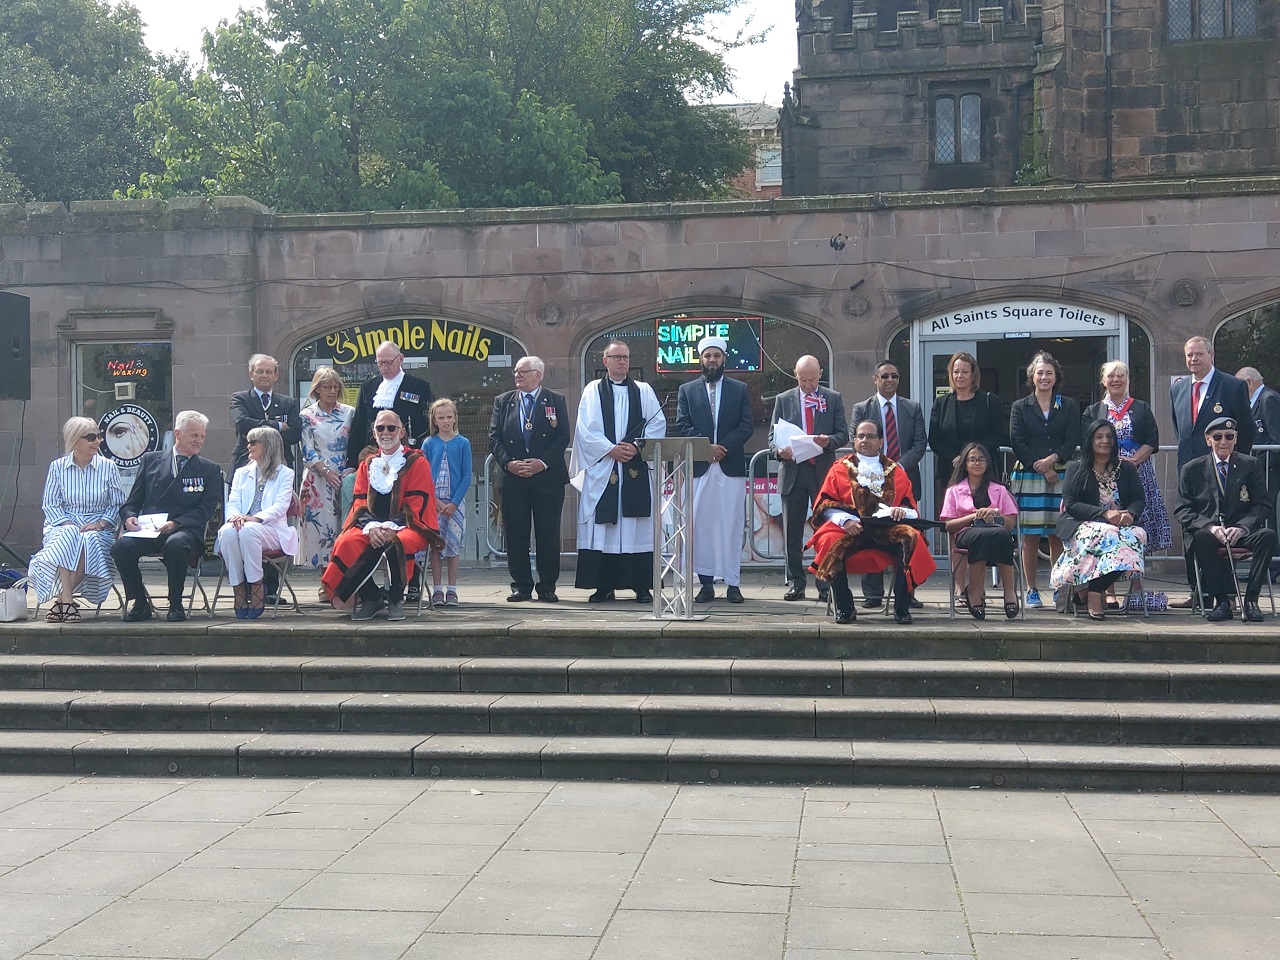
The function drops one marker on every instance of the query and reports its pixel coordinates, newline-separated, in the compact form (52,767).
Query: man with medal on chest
(528,435)
(393,513)
(1222,503)
(185,489)
(392,389)
(607,467)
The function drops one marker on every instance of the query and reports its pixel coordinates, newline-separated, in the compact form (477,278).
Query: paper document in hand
(149,525)
(791,436)
(887,511)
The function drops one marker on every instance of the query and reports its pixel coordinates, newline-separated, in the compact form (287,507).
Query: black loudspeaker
(15,347)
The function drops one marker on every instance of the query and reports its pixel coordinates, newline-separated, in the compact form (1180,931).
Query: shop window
(127,388)
(957,129)
(1211,19)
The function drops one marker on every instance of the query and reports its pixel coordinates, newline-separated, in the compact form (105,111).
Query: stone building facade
(936,94)
(157,306)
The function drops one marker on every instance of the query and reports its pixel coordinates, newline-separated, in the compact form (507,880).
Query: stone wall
(226,278)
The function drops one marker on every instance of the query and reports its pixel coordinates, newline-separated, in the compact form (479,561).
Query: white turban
(718,342)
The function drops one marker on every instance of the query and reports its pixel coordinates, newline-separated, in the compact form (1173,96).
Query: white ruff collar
(871,474)
(384,469)
(385,397)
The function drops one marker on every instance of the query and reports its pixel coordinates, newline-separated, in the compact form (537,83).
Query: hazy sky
(761,72)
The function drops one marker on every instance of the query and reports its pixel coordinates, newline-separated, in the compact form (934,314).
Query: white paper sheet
(791,436)
(149,525)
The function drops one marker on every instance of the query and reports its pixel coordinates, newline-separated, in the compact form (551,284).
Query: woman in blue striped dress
(82,498)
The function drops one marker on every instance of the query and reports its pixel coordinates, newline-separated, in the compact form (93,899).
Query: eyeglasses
(387,363)
(617,356)
(890,376)
(866,436)
(386,428)
(1222,436)
(91,437)
(976,461)
(522,373)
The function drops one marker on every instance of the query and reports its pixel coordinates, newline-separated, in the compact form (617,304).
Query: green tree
(72,73)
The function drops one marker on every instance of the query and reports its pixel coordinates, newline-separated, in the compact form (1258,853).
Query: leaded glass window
(971,128)
(1210,19)
(944,124)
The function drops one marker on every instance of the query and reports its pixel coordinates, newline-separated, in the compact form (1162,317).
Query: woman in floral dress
(326,425)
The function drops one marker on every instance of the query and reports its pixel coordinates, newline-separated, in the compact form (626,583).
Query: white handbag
(13,602)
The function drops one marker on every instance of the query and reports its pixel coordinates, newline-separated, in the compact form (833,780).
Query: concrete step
(643,716)
(1178,682)
(680,759)
(484,632)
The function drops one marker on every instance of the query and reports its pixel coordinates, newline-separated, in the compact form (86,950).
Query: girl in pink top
(981,515)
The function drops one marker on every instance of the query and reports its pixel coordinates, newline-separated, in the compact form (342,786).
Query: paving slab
(1054,914)
(678,936)
(1199,935)
(483,946)
(28,920)
(411,892)
(1020,865)
(157,928)
(875,886)
(714,873)
(394,859)
(907,931)
(199,881)
(336,934)
(1209,893)
(1013,946)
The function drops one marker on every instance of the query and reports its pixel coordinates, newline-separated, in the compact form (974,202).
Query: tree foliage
(72,73)
(373,104)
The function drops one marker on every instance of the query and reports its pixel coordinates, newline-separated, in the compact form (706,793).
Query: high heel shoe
(256,601)
(1099,615)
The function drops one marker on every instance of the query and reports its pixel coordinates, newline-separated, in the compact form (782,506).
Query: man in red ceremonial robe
(393,513)
(866,504)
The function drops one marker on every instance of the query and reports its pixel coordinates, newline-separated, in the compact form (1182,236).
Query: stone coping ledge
(243,213)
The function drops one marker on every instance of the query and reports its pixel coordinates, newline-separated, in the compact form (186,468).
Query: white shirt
(385,398)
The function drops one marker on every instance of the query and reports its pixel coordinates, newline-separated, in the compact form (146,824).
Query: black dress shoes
(547,596)
(902,615)
(1221,612)
(795,593)
(916,604)
(519,596)
(734,595)
(1251,611)
(600,596)
(706,594)
(140,611)
(872,603)
(846,614)
(176,614)
(644,596)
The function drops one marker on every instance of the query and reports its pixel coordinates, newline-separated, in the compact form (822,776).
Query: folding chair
(97,607)
(954,553)
(870,560)
(195,568)
(384,565)
(1233,557)
(281,561)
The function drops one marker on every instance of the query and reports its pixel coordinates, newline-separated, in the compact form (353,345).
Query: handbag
(13,600)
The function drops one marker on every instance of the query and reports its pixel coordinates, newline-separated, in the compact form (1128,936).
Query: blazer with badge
(189,499)
(693,419)
(1202,504)
(412,403)
(1225,397)
(829,422)
(247,413)
(1266,417)
(548,440)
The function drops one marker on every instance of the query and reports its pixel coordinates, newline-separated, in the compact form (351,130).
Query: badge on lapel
(1244,494)
(1217,408)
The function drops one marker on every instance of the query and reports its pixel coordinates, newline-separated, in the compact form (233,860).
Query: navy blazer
(1145,431)
(412,403)
(1080,496)
(1266,417)
(1199,505)
(549,439)
(1226,397)
(829,422)
(1032,437)
(247,413)
(693,419)
(189,499)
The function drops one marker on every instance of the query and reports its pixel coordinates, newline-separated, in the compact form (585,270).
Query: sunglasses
(386,428)
(1222,436)
(890,376)
(91,437)
(253,442)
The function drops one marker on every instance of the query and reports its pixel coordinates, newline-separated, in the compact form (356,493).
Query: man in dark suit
(901,423)
(1264,404)
(187,488)
(392,389)
(1206,395)
(717,407)
(263,406)
(820,413)
(528,435)
(1222,503)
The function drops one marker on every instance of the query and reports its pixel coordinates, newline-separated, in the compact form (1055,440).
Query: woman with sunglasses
(257,519)
(82,498)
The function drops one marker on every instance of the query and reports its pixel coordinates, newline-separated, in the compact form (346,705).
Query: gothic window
(957,129)
(1211,19)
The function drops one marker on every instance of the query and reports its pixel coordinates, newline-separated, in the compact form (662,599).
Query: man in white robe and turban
(718,408)
(608,468)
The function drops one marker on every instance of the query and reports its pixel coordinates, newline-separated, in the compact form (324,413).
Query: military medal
(1244,494)
(613,478)
(528,424)
(633,473)
(1217,408)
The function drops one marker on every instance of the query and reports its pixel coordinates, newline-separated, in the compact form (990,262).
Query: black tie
(182,462)
(266,400)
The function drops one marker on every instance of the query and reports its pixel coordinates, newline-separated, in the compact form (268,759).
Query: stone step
(1023,679)
(1165,638)
(639,716)
(680,759)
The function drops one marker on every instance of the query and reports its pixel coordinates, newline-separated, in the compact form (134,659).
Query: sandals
(962,599)
(63,612)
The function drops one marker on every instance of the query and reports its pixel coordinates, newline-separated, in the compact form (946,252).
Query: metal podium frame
(673,460)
